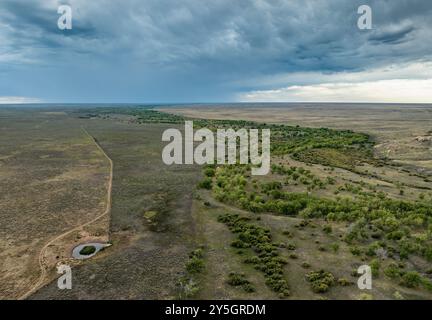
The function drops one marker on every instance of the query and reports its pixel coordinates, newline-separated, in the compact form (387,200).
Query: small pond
(88,250)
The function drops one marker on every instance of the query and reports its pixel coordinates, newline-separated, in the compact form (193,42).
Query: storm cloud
(199,50)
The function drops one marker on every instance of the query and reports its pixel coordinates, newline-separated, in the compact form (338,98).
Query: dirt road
(43,266)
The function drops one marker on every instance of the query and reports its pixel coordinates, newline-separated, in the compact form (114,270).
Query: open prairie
(152,230)
(402,132)
(53,179)
(335,199)
(402,137)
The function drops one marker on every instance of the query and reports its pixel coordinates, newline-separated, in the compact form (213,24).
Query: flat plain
(52,179)
(356,194)
(402,132)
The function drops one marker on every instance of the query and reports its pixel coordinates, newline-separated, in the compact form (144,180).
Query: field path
(42,265)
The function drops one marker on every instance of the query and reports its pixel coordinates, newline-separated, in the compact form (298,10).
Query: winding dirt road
(42,264)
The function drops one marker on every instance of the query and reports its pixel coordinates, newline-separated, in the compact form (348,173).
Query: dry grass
(53,179)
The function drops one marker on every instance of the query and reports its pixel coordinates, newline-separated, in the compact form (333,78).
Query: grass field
(152,230)
(397,129)
(53,179)
(403,175)
(358,193)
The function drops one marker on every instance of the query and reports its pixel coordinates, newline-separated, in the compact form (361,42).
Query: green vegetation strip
(342,148)
(399,227)
(258,239)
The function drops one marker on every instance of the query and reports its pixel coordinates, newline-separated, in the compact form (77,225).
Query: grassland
(401,132)
(336,198)
(152,229)
(52,179)
(319,203)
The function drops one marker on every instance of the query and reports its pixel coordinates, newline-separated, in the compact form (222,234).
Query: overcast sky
(215,51)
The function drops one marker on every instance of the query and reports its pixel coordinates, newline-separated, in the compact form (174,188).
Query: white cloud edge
(18,100)
(409,83)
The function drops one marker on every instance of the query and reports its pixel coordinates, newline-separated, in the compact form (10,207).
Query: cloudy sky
(215,51)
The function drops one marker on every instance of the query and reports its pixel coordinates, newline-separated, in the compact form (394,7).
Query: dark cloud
(392,36)
(196,48)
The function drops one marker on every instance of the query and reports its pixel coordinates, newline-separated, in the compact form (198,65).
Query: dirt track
(42,264)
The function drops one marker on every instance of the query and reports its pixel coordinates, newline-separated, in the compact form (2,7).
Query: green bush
(327,229)
(321,280)
(291,246)
(188,287)
(375,266)
(195,264)
(344,282)
(411,279)
(209,172)
(206,183)
(356,251)
(237,279)
(335,246)
(393,271)
(240,244)
(87,250)
(259,240)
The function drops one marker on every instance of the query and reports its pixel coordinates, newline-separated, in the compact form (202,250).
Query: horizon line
(204,103)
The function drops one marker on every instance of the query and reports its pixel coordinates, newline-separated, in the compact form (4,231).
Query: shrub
(427,253)
(248,287)
(344,282)
(87,250)
(427,283)
(188,288)
(199,253)
(398,296)
(209,172)
(320,280)
(365,296)
(252,260)
(372,249)
(411,279)
(335,247)
(356,251)
(395,235)
(237,279)
(327,229)
(206,183)
(287,233)
(258,239)
(375,266)
(240,244)
(291,246)
(393,271)
(195,264)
